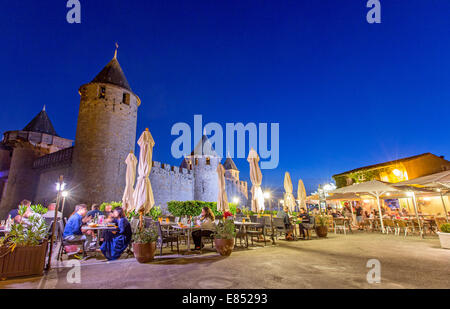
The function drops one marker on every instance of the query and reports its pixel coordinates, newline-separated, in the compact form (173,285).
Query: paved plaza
(335,262)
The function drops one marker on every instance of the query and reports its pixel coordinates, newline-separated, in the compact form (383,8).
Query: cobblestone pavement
(335,262)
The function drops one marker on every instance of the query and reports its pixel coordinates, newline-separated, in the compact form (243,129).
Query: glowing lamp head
(266,194)
(60,187)
(397,172)
(236,200)
(65,194)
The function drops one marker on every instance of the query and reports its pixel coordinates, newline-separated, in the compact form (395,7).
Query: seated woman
(116,241)
(206,222)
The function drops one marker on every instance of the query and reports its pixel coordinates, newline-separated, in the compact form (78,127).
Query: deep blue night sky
(346,93)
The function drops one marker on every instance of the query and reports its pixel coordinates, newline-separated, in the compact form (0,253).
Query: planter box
(444,238)
(23,261)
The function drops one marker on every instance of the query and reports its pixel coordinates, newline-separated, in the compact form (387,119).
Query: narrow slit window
(126,98)
(102,94)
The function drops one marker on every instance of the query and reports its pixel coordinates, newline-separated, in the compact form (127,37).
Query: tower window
(196,161)
(102,94)
(208,161)
(126,98)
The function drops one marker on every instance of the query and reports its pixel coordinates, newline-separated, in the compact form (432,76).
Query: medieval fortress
(32,159)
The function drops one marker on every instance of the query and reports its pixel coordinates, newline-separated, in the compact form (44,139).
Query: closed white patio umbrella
(301,194)
(130,177)
(289,199)
(143,194)
(222,200)
(256,179)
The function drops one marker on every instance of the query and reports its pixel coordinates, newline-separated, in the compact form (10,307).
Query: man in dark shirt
(305,222)
(95,210)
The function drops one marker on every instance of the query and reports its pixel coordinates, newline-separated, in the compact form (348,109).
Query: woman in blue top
(116,241)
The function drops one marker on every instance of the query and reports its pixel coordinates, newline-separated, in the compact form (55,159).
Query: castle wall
(236,188)
(170,183)
(22,179)
(106,133)
(5,159)
(46,189)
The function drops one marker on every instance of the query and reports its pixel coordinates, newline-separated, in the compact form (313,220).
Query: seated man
(72,231)
(305,222)
(287,223)
(14,213)
(51,212)
(95,210)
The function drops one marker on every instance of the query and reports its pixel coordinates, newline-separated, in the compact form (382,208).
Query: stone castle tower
(19,179)
(204,161)
(106,133)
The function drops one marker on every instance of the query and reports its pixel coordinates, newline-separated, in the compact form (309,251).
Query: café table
(245,225)
(98,229)
(187,229)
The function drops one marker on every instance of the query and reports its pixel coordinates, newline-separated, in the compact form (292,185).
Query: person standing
(359,217)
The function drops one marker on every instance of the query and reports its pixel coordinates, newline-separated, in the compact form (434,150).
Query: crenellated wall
(171,183)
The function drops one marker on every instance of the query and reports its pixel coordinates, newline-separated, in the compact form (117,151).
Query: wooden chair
(166,238)
(279,227)
(259,230)
(402,225)
(340,224)
(390,226)
(62,249)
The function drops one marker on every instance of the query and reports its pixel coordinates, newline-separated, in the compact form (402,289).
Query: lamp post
(267,196)
(64,194)
(59,188)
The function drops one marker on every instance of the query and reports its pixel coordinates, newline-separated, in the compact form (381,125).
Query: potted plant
(444,236)
(23,249)
(321,225)
(224,237)
(144,244)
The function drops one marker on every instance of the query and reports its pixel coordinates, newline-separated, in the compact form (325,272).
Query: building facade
(395,171)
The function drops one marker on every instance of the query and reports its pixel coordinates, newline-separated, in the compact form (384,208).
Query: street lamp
(60,186)
(64,194)
(236,200)
(267,195)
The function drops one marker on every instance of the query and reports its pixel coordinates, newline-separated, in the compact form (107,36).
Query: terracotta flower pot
(144,252)
(322,231)
(224,246)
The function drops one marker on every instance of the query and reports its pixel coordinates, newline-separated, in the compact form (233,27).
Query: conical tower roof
(41,124)
(229,164)
(206,150)
(113,74)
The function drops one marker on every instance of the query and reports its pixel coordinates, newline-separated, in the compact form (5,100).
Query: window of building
(196,161)
(102,94)
(208,161)
(126,98)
